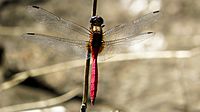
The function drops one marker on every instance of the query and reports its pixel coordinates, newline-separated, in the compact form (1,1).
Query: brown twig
(85,85)
(94,8)
(87,69)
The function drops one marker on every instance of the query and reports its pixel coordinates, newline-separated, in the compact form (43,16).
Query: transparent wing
(71,48)
(116,46)
(65,28)
(131,28)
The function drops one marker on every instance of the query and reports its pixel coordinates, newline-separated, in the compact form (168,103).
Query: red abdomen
(96,45)
(93,80)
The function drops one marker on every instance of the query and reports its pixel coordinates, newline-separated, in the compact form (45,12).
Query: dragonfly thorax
(96,42)
(97,29)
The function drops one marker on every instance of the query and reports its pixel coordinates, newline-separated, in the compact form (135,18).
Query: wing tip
(30,33)
(31,7)
(150,32)
(27,35)
(34,6)
(156,11)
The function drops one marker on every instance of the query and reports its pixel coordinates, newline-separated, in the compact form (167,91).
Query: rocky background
(143,85)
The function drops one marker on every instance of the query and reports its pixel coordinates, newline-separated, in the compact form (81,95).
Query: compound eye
(96,20)
(93,19)
(100,20)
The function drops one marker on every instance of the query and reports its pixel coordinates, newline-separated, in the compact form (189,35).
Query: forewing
(116,46)
(66,29)
(71,48)
(131,28)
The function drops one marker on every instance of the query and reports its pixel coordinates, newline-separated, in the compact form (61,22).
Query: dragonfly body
(81,40)
(96,46)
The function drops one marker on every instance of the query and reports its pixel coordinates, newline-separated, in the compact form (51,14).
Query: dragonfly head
(96,21)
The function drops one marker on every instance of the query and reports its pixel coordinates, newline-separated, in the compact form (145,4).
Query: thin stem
(87,68)
(94,8)
(85,85)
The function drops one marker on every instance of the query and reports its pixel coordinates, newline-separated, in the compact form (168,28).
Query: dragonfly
(100,44)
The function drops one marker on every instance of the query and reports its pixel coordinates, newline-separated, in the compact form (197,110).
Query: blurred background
(141,85)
